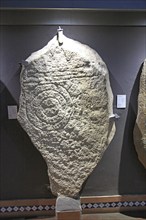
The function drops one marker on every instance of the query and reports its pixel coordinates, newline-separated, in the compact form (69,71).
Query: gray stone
(64,203)
(140,125)
(65,104)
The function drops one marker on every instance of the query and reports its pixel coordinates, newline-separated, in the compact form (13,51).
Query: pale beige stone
(140,126)
(65,104)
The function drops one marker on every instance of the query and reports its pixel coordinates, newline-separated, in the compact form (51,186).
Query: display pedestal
(68,215)
(68,208)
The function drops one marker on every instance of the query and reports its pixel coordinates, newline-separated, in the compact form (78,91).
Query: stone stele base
(68,208)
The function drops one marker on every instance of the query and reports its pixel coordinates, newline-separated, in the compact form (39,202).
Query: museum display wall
(106,4)
(123,49)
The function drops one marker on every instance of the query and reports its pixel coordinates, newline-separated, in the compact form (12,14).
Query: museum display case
(118,180)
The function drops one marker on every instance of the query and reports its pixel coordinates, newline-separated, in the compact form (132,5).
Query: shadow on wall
(23,170)
(132,175)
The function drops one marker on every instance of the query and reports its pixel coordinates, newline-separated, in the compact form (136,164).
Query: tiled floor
(106,216)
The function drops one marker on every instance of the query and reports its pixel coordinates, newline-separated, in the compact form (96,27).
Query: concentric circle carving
(51,107)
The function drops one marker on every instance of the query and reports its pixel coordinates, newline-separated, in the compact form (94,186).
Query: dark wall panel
(23,170)
(111,4)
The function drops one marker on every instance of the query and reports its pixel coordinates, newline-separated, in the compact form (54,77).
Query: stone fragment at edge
(140,125)
(65,104)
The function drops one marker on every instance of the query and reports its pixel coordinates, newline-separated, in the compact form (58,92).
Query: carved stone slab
(140,126)
(65,104)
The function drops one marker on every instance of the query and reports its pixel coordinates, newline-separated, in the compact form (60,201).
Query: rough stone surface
(140,126)
(65,104)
